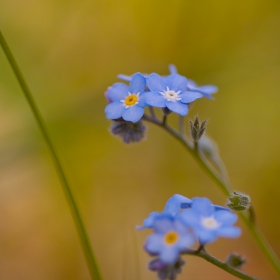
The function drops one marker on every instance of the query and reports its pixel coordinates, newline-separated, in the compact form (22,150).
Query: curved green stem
(91,262)
(225,188)
(203,254)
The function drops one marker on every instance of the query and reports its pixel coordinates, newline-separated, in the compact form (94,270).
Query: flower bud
(239,201)
(166,271)
(234,260)
(197,128)
(128,131)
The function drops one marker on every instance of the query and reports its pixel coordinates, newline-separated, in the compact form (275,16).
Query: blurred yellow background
(70,52)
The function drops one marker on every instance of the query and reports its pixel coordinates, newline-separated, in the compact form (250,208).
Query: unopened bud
(197,128)
(235,260)
(239,201)
(129,132)
(166,271)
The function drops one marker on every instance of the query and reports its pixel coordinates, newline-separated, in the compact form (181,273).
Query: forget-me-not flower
(126,101)
(170,92)
(208,223)
(170,239)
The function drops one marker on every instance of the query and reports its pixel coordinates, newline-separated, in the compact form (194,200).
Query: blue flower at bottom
(208,223)
(170,92)
(127,101)
(170,239)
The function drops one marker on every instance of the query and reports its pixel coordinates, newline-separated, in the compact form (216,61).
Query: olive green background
(70,52)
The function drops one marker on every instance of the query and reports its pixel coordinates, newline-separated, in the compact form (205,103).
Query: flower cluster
(183,223)
(173,93)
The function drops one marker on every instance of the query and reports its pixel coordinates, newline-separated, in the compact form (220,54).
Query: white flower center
(171,95)
(210,222)
(131,99)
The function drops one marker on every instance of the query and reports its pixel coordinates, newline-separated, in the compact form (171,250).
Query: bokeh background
(70,52)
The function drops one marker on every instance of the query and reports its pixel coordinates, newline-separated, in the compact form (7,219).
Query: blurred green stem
(223,265)
(91,262)
(224,187)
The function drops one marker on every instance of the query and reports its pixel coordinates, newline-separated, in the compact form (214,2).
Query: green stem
(203,254)
(91,262)
(225,188)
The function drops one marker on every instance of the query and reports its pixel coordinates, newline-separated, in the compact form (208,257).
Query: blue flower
(126,101)
(206,90)
(170,239)
(170,92)
(208,223)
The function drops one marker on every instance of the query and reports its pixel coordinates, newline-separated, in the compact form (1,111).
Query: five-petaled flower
(170,239)
(170,92)
(127,101)
(207,222)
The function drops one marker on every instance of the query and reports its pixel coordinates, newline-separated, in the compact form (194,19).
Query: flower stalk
(90,259)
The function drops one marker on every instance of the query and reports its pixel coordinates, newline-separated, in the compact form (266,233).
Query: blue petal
(190,218)
(206,236)
(190,96)
(133,113)
(218,208)
(177,82)
(114,110)
(225,217)
(137,84)
(203,206)
(191,83)
(163,223)
(169,255)
(186,241)
(156,83)
(149,222)
(118,91)
(177,107)
(210,89)
(141,100)
(154,243)
(153,98)
(172,69)
(124,77)
(230,232)
(205,90)
(173,205)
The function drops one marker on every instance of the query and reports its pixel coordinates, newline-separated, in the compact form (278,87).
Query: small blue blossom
(126,101)
(208,223)
(170,92)
(170,239)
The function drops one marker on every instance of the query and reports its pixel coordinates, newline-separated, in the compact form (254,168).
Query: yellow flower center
(131,99)
(171,237)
